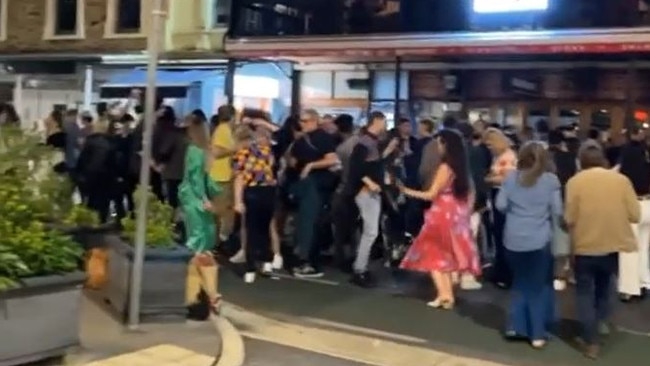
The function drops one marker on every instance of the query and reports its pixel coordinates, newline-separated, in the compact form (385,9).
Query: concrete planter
(92,237)
(41,319)
(163,282)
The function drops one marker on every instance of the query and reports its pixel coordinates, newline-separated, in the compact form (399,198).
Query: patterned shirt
(255,162)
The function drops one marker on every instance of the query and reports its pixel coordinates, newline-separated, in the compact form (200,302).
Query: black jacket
(97,160)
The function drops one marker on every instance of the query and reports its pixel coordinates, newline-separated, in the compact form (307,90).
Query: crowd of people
(461,202)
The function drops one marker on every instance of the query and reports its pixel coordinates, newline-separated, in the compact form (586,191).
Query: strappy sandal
(216,304)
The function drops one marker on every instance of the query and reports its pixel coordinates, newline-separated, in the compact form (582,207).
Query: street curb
(232,343)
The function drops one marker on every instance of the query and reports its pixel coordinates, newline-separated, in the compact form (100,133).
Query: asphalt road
(259,353)
(396,312)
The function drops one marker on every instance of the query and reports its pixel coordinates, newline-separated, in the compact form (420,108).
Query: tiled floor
(163,355)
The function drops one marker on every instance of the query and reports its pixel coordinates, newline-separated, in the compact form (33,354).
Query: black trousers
(171,186)
(98,197)
(260,206)
(345,216)
(502,273)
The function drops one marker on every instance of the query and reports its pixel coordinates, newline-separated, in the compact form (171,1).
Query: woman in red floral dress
(445,243)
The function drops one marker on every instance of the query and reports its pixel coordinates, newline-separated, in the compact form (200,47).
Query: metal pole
(153,46)
(88,88)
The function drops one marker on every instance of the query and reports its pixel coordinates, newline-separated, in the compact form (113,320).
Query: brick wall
(25,31)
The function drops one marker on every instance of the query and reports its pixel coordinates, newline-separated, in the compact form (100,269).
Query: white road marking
(338,344)
(313,280)
(232,344)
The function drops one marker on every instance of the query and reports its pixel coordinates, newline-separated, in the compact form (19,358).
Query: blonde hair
(533,161)
(496,138)
(242,133)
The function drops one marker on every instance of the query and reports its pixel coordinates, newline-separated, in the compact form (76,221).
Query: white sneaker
(267,268)
(238,258)
(559,285)
(278,262)
(249,277)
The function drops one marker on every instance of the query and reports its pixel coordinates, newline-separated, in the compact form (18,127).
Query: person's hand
(305,171)
(240,208)
(207,205)
(373,187)
(392,145)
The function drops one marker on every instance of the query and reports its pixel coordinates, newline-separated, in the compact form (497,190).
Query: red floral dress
(445,242)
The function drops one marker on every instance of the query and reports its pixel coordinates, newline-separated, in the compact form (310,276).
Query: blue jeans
(532,309)
(593,289)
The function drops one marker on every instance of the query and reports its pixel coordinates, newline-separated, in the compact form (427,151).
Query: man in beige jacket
(600,206)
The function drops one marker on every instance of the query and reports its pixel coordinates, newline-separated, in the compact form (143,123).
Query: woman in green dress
(195,193)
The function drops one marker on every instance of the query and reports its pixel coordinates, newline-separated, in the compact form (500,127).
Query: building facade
(50,48)
(513,62)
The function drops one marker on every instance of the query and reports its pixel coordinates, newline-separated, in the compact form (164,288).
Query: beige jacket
(600,205)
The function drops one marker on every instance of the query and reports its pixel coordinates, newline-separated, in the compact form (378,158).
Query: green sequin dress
(194,190)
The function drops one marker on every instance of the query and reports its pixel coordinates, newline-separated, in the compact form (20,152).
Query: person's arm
(238,191)
(632,205)
(501,201)
(261,123)
(239,168)
(571,203)
(440,180)
(327,146)
(556,197)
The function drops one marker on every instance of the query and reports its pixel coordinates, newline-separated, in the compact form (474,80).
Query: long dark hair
(455,157)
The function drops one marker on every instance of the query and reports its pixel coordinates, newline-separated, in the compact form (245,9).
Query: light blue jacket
(529,211)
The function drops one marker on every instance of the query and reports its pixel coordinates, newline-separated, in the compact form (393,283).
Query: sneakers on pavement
(364,280)
(307,271)
(469,283)
(267,268)
(278,262)
(249,277)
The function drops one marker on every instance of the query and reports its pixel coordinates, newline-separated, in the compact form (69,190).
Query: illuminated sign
(509,6)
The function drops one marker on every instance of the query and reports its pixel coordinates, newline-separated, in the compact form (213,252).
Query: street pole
(153,49)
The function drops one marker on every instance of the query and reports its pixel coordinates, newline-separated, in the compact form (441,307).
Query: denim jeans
(594,277)
(310,203)
(532,308)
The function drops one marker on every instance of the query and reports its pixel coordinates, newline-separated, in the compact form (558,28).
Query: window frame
(110,27)
(4,8)
(49,31)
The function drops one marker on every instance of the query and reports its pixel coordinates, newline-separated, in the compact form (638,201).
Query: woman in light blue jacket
(530,198)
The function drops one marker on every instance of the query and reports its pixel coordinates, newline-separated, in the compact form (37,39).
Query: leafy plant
(31,195)
(160,229)
(81,216)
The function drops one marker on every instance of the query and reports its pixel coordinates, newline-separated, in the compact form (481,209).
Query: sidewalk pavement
(106,342)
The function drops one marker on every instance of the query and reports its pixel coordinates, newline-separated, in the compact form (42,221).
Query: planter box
(92,237)
(41,319)
(163,282)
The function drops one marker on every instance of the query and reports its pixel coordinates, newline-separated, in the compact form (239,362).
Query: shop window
(317,84)
(384,85)
(351,85)
(64,19)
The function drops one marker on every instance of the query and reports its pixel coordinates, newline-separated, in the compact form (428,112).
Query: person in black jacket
(126,183)
(96,169)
